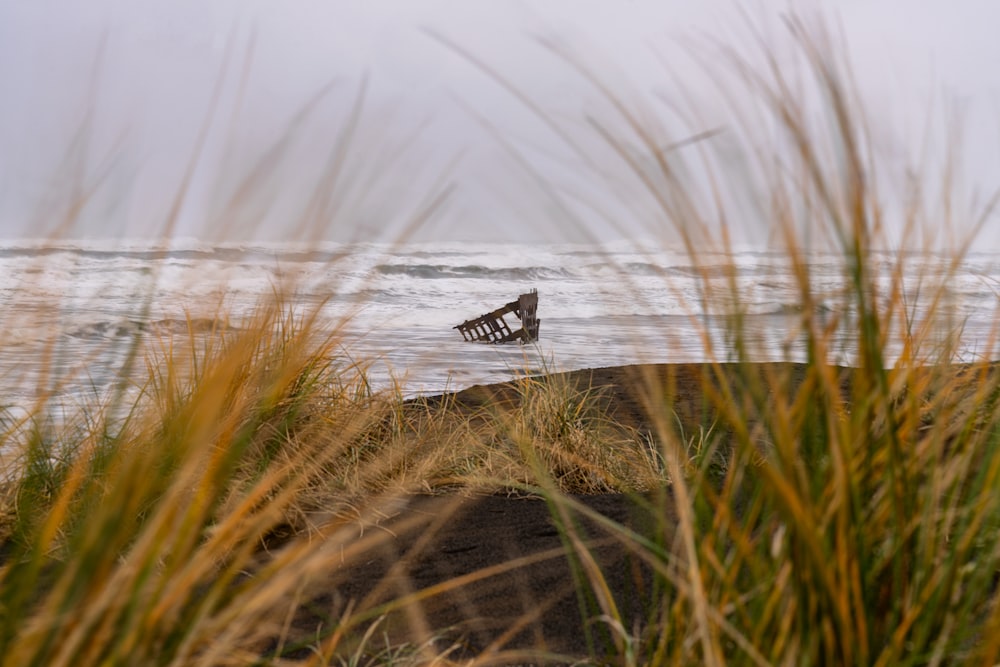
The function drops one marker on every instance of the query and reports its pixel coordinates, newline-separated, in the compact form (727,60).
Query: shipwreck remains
(492,328)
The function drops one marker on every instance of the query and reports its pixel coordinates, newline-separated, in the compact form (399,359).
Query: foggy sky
(398,102)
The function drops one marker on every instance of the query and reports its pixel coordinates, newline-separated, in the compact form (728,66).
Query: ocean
(72,311)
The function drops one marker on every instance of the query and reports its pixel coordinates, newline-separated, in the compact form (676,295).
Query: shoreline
(624,392)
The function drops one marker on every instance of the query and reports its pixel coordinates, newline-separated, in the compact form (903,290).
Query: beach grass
(178,530)
(795,513)
(852,519)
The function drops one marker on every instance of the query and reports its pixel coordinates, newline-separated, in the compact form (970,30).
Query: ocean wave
(729,270)
(437,271)
(218,253)
(126,328)
(625,268)
(793,308)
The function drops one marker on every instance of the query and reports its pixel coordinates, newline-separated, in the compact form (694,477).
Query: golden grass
(181,533)
(856,519)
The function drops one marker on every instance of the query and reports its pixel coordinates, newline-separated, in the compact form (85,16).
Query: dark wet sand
(533,604)
(518,589)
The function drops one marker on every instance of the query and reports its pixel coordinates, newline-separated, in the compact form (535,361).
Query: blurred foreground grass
(180,532)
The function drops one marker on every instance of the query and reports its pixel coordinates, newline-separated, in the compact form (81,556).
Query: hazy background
(104,102)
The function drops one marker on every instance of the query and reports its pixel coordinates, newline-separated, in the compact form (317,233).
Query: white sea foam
(599,306)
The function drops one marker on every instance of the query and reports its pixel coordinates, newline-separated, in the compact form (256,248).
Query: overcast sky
(345,119)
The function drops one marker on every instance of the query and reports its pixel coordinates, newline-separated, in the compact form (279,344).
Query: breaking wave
(110,329)
(435,271)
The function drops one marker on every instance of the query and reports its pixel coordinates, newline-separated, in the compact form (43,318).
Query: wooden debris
(492,328)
